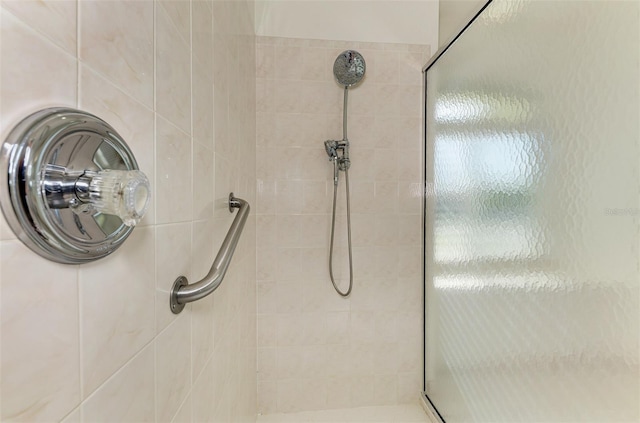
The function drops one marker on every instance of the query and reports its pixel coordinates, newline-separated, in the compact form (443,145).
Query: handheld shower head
(331,147)
(349,68)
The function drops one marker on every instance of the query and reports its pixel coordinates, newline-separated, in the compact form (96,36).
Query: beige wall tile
(267,364)
(116,39)
(203,247)
(184,414)
(117,322)
(362,390)
(266,136)
(40,362)
(202,335)
(315,260)
(385,389)
(173,259)
(387,67)
(338,392)
(288,231)
(387,132)
(267,330)
(410,66)
(173,364)
(5,231)
(202,35)
(289,195)
(174,201)
(173,68)
(266,196)
(179,11)
(363,101)
(203,119)
(266,231)
(289,294)
(268,396)
(57,20)
(292,60)
(203,182)
(203,386)
(409,387)
(265,61)
(289,397)
(315,230)
(129,395)
(266,265)
(73,417)
(26,84)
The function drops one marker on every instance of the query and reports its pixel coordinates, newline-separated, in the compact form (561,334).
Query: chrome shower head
(349,68)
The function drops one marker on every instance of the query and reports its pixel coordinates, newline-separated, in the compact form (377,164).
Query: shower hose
(333,227)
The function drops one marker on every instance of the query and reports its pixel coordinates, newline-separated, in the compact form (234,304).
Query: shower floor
(386,414)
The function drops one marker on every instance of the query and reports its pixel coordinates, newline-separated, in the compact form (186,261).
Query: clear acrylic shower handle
(123,193)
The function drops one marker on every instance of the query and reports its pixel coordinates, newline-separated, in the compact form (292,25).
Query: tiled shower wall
(317,350)
(97,342)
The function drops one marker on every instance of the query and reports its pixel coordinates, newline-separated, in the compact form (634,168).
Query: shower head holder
(331,147)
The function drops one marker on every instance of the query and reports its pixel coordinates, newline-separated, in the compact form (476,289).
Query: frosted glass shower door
(532,217)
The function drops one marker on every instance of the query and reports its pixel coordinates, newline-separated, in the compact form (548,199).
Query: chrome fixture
(332,148)
(182,292)
(70,189)
(349,69)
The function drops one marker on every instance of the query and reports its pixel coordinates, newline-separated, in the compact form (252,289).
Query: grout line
(155,379)
(117,87)
(155,216)
(80,340)
(80,291)
(181,405)
(78,20)
(155,61)
(77,409)
(175,25)
(121,368)
(191,104)
(175,126)
(39,34)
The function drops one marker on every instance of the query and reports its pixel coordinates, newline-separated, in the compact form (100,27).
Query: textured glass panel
(533,216)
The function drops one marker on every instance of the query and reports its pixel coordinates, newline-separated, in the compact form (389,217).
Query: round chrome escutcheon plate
(40,155)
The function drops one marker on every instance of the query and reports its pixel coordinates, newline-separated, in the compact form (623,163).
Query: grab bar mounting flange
(176,307)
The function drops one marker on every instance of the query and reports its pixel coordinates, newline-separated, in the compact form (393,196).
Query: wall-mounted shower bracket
(333,147)
(344,163)
(338,150)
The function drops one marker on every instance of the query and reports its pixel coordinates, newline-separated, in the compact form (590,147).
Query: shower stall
(532,215)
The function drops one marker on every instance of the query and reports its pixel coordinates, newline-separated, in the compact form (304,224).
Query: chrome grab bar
(182,292)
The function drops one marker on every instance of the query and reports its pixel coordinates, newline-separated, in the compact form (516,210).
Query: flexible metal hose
(333,227)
